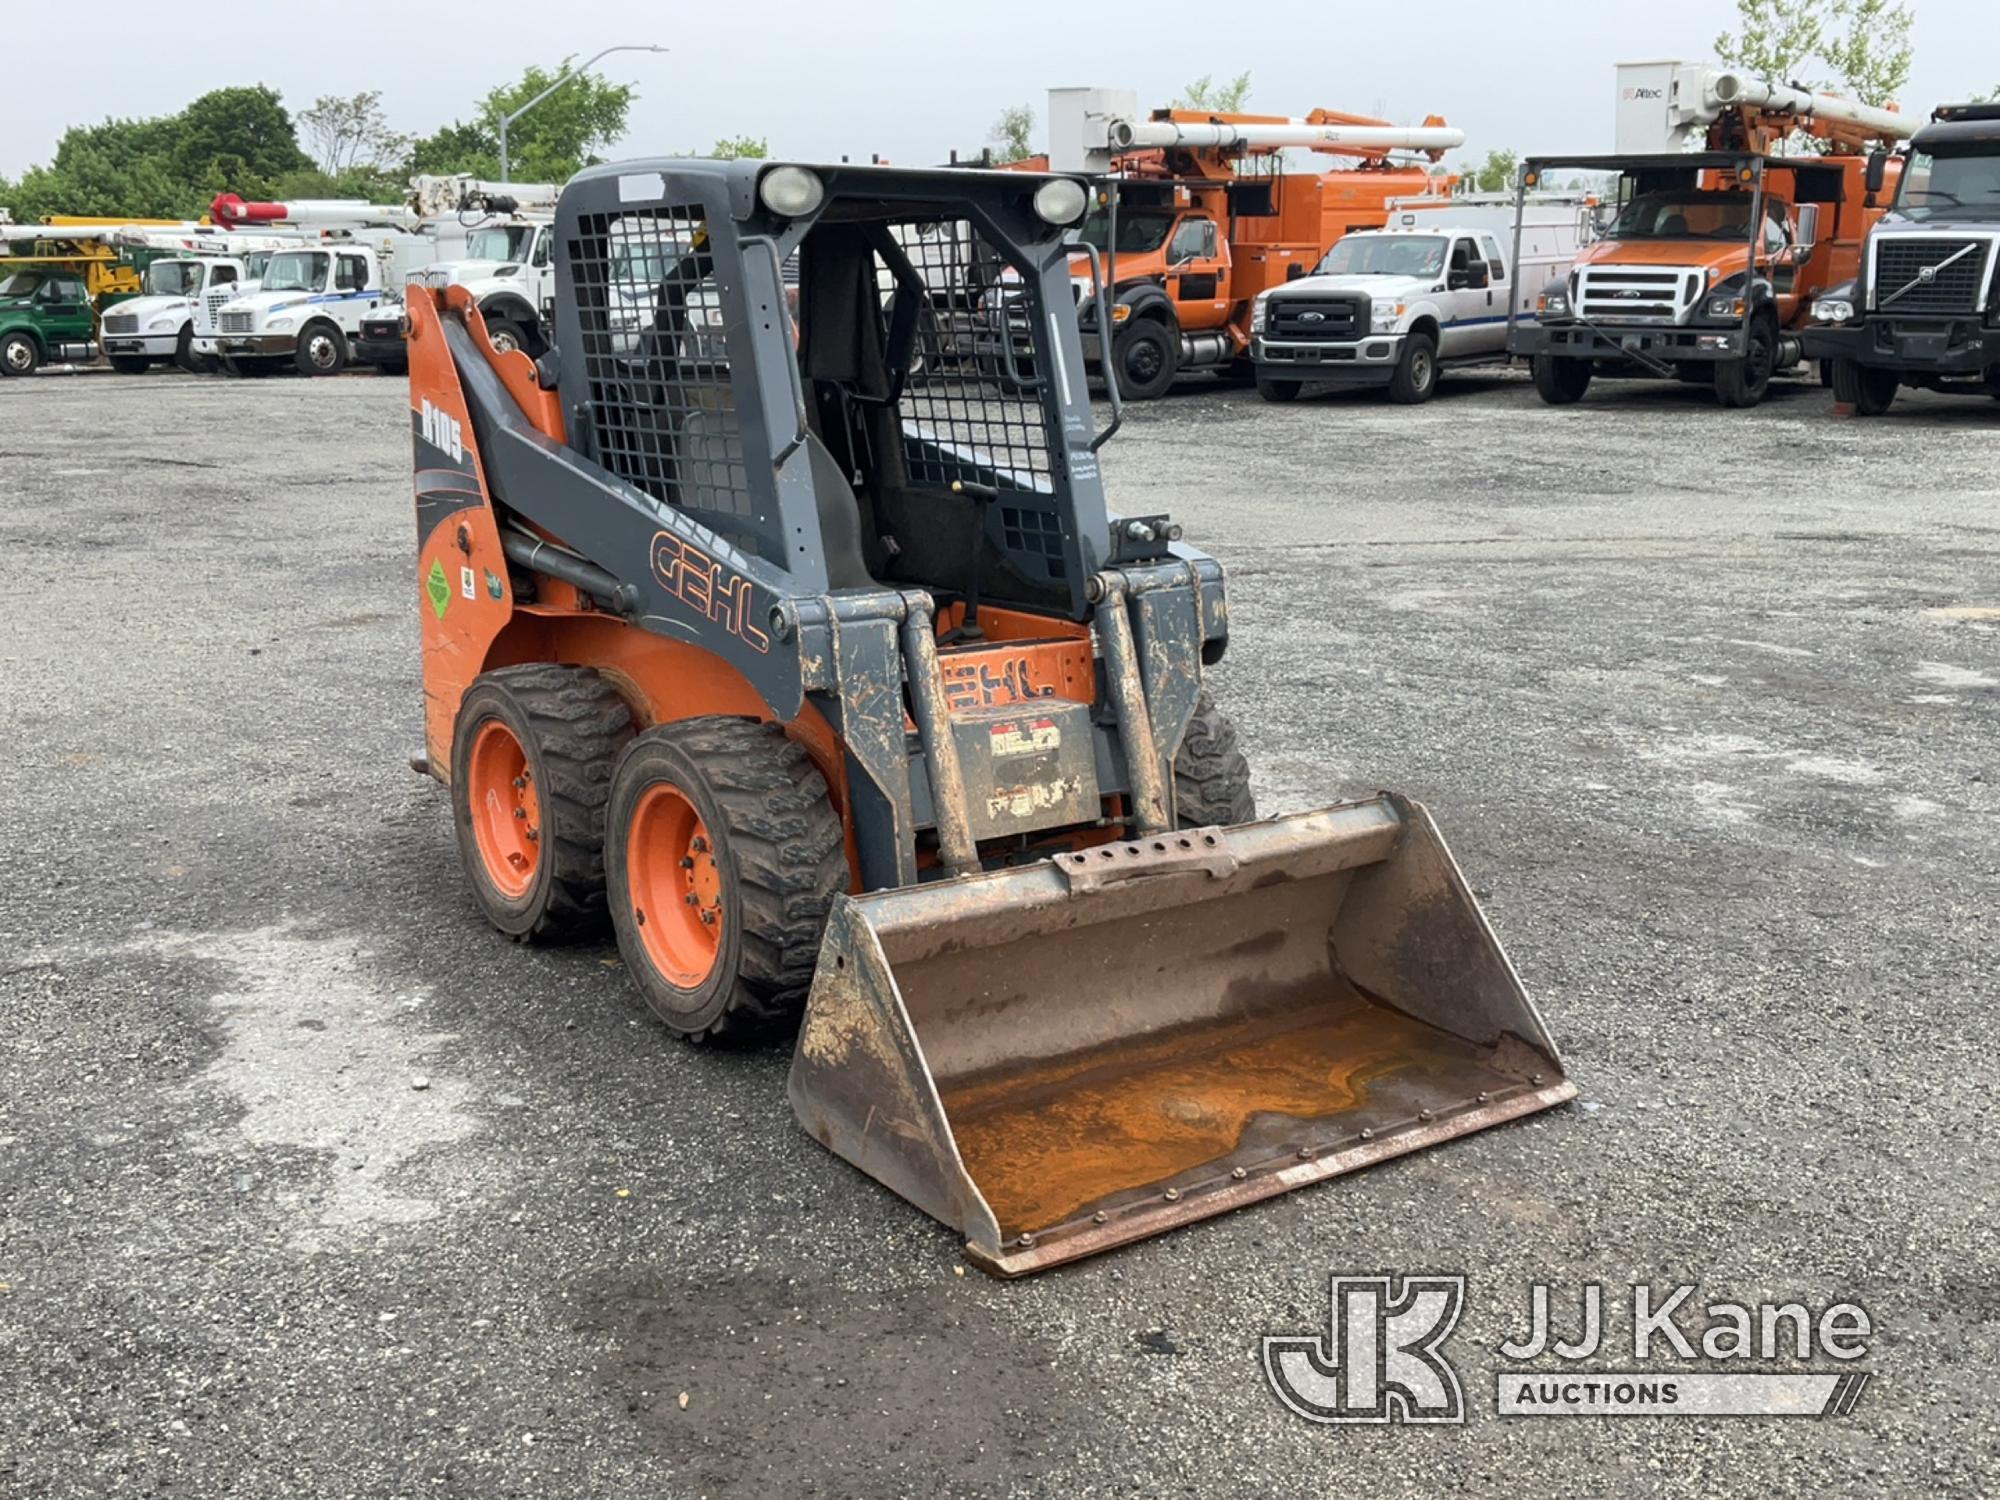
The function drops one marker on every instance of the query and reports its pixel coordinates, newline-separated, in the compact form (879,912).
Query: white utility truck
(158,325)
(1426,293)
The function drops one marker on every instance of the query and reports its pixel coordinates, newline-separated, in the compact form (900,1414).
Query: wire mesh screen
(662,413)
(970,409)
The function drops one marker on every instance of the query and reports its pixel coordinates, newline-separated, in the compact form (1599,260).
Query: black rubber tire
(131,364)
(307,359)
(1272,388)
(19,355)
(783,858)
(1741,383)
(1211,777)
(1869,392)
(507,334)
(184,355)
(1416,377)
(1149,345)
(572,724)
(1561,382)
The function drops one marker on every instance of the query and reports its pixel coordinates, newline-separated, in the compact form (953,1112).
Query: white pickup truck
(1428,292)
(509,268)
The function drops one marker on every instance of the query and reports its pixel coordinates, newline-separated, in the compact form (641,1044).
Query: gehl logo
(441,431)
(1379,1360)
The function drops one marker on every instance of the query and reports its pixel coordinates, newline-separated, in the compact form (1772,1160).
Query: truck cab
(508,268)
(1924,310)
(45,314)
(308,305)
(158,325)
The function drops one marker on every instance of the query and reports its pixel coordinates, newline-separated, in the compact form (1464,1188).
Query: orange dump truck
(1197,215)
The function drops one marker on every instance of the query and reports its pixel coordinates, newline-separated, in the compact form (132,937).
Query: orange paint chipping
(1052,1138)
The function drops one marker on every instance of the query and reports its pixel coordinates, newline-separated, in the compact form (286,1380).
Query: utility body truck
(1429,292)
(1721,237)
(158,325)
(1195,215)
(1925,309)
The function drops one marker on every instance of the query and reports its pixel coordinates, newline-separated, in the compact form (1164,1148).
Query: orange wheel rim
(506,812)
(676,885)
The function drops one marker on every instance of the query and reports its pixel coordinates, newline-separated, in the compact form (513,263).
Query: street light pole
(509,119)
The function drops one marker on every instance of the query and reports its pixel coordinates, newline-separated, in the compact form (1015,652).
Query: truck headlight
(278,325)
(791,192)
(1725,307)
(1257,316)
(159,323)
(1834,310)
(1385,316)
(1553,305)
(1061,200)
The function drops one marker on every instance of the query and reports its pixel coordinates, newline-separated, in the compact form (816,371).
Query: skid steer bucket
(1070,1055)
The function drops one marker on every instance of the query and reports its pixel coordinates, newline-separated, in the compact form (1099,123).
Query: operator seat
(839,518)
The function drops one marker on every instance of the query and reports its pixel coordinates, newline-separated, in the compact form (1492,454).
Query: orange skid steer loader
(785,631)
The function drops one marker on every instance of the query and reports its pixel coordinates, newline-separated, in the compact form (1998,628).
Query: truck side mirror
(1294,271)
(1876,173)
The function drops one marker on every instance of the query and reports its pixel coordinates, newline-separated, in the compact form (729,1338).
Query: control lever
(982,495)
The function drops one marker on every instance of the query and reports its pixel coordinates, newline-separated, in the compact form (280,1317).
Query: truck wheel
(723,857)
(322,350)
(1741,383)
(1561,382)
(130,364)
(531,759)
(1273,389)
(1869,392)
(184,355)
(1416,377)
(506,335)
(1211,777)
(19,355)
(1146,359)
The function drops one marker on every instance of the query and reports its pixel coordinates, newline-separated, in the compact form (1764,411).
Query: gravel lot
(1705,701)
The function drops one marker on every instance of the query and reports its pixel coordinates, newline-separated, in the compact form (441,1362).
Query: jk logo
(1378,1361)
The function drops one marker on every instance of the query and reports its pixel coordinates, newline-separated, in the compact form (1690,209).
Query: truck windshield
(172,278)
(1385,255)
(1138,233)
(1951,186)
(297,271)
(1687,214)
(509,242)
(21,284)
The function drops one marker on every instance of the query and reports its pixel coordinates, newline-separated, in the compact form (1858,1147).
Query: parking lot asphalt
(311,1184)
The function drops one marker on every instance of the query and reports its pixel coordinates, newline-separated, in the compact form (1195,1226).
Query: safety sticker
(437,588)
(493,583)
(468,584)
(1025,737)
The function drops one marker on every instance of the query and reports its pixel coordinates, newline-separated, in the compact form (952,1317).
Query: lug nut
(687,863)
(521,813)
(693,899)
(520,783)
(707,917)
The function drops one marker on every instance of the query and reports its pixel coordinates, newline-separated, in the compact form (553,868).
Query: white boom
(1668,106)
(1727,90)
(1358,140)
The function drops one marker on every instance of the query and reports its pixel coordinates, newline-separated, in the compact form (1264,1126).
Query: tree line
(244,140)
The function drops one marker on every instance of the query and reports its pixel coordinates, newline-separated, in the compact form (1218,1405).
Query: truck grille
(1630,294)
(1320,318)
(1925,274)
(121,323)
(236,322)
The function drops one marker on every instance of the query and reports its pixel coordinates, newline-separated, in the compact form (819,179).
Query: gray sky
(912,79)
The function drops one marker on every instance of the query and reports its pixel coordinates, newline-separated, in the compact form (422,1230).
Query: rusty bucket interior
(1077,1053)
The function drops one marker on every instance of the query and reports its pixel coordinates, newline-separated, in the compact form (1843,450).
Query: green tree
(457,147)
(741,148)
(1221,99)
(562,134)
(1012,134)
(236,139)
(1861,49)
(1496,174)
